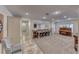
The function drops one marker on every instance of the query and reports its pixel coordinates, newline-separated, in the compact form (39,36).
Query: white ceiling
(38,11)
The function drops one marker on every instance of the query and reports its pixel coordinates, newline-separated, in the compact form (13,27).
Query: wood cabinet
(65,31)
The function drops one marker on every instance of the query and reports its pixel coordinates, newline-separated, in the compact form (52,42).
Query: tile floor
(54,44)
(30,47)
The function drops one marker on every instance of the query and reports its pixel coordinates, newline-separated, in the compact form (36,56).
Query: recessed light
(65,16)
(26,13)
(69,18)
(56,12)
(44,17)
(53,19)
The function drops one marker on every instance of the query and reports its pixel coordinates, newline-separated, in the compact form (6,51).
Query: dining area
(41,33)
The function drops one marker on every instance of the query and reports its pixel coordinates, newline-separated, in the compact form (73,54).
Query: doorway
(24,29)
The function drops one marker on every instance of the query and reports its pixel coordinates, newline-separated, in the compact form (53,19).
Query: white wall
(14,29)
(44,24)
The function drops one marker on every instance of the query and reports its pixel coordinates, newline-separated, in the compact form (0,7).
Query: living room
(40,29)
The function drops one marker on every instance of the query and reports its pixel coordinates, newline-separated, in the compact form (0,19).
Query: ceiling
(38,12)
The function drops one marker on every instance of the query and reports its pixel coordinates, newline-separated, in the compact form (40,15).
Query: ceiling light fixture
(44,17)
(26,13)
(56,12)
(69,18)
(65,16)
(53,19)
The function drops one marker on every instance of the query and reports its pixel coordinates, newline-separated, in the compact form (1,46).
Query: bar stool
(40,34)
(35,34)
(75,43)
(48,33)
